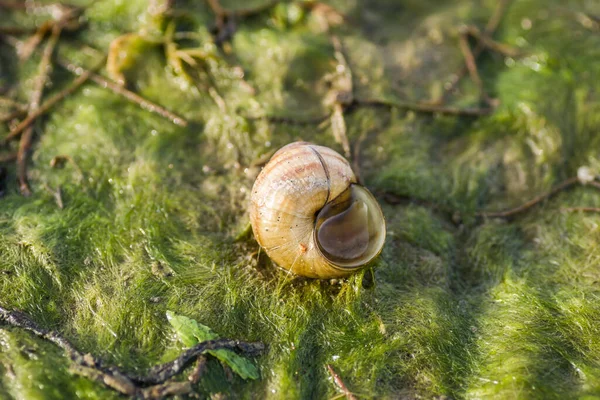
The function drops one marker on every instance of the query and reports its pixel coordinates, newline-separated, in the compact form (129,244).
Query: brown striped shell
(310,215)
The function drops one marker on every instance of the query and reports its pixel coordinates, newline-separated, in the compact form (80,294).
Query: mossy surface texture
(156,218)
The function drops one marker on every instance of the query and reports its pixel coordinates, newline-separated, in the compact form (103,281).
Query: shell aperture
(348,229)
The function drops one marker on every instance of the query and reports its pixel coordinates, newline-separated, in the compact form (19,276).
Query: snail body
(311,216)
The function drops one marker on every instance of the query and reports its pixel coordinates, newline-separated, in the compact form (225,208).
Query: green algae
(479,310)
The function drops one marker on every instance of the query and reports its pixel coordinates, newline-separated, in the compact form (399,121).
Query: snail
(311,216)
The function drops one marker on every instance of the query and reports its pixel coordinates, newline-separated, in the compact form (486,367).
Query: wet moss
(464,309)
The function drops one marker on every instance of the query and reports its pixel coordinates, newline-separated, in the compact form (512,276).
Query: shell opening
(350,229)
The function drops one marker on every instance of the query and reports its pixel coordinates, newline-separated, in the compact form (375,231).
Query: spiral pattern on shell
(310,215)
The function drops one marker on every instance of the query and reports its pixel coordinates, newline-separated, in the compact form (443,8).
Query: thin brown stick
(472,65)
(416,107)
(57,194)
(340,383)
(60,160)
(533,202)
(425,108)
(6,158)
(44,71)
(590,22)
(12,115)
(166,389)
(199,369)
(581,209)
(225,19)
(491,44)
(2,181)
(155,384)
(7,101)
(219,10)
(18,109)
(15,30)
(344,95)
(51,102)
(216,7)
(291,120)
(123,92)
(13,5)
(27,47)
(356,159)
(496,17)
(489,30)
(66,16)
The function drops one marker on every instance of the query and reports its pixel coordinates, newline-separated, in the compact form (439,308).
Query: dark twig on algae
(489,30)
(472,66)
(425,107)
(491,44)
(566,184)
(340,383)
(225,20)
(581,209)
(12,115)
(13,5)
(10,157)
(154,385)
(17,109)
(292,120)
(343,91)
(48,104)
(44,70)
(127,94)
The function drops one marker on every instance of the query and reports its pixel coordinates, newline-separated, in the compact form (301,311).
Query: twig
(489,30)
(225,26)
(472,65)
(64,16)
(57,194)
(581,209)
(344,95)
(2,181)
(15,30)
(490,43)
(7,101)
(59,161)
(166,389)
(416,107)
(536,200)
(153,385)
(13,5)
(426,108)
(5,158)
(196,374)
(357,156)
(123,92)
(588,21)
(12,115)
(18,109)
(51,102)
(27,47)
(340,383)
(162,372)
(283,119)
(218,9)
(45,69)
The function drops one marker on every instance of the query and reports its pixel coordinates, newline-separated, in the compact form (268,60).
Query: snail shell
(311,216)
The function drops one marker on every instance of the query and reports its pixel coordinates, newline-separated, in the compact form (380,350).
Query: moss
(153,212)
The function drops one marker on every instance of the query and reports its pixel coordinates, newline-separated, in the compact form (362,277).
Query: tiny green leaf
(191,332)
